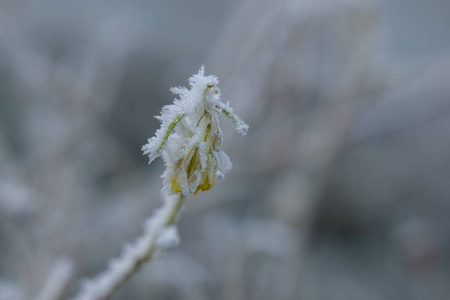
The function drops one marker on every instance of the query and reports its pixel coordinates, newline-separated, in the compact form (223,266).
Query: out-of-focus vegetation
(341,190)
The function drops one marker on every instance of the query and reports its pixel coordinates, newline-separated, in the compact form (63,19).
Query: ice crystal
(168,237)
(190,136)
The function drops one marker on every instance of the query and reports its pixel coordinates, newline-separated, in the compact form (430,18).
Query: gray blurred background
(341,189)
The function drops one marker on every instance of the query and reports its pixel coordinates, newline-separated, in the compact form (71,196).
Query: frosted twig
(158,233)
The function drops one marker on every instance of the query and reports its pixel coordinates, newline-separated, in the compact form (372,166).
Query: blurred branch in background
(57,281)
(340,190)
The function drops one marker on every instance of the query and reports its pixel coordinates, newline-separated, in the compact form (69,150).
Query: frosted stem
(135,255)
(240,125)
(169,130)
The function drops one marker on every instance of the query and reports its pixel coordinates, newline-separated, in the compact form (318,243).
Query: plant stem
(133,257)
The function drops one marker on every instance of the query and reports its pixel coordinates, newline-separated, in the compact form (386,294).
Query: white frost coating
(157,232)
(240,125)
(190,137)
(168,238)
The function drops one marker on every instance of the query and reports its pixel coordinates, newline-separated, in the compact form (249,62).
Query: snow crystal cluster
(190,136)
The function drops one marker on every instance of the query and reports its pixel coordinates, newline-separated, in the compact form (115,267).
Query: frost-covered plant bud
(190,137)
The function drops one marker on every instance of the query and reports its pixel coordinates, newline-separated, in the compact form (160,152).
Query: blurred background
(341,189)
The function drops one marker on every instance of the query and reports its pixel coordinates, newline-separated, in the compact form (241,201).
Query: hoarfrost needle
(190,136)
